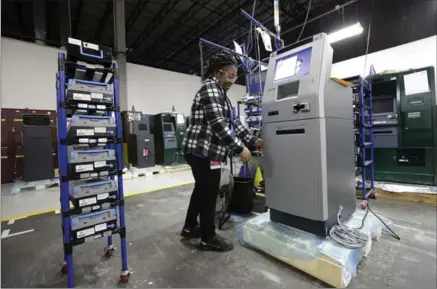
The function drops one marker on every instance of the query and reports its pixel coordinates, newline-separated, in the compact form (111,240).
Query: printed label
(91,106)
(100,164)
(96,207)
(83,140)
(84,168)
(87,202)
(93,141)
(103,140)
(101,227)
(102,196)
(81,96)
(85,132)
(100,129)
(101,107)
(414,115)
(96,95)
(82,105)
(85,233)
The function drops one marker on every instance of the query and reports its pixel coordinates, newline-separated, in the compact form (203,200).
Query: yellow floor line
(36,213)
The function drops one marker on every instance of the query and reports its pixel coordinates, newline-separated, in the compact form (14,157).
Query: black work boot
(216,243)
(191,233)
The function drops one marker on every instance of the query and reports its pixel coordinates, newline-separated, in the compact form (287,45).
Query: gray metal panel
(340,165)
(293,168)
(92,189)
(91,156)
(385,137)
(75,84)
(170,143)
(87,121)
(92,219)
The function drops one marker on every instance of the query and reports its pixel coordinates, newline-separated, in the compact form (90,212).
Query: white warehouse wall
(28,81)
(417,54)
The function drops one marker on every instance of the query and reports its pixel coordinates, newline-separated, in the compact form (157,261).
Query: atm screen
(285,68)
(168,127)
(383,105)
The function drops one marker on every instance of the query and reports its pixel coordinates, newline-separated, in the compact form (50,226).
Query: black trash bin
(242,197)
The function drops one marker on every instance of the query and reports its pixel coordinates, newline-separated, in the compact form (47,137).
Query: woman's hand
(259,144)
(245,155)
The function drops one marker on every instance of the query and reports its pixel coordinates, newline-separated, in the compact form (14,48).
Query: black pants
(204,196)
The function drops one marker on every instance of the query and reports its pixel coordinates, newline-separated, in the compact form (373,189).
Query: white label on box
(104,140)
(83,140)
(93,141)
(100,164)
(81,96)
(94,175)
(84,168)
(82,105)
(102,196)
(101,106)
(87,202)
(96,95)
(101,227)
(91,106)
(85,233)
(100,129)
(83,132)
(96,207)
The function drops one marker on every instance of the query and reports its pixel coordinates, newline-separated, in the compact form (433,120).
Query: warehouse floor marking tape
(57,211)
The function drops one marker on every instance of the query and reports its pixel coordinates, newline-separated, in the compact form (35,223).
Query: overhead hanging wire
(320,16)
(306,20)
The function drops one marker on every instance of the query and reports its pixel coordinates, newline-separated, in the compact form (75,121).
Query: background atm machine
(308,133)
(169,130)
(140,140)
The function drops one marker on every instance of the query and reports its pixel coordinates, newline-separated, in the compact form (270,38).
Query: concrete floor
(159,259)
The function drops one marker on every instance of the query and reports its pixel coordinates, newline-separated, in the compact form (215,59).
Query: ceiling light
(344,33)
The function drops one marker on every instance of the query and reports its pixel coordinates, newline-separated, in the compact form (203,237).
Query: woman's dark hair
(218,61)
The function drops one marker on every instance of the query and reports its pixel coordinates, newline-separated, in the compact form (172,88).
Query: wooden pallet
(134,173)
(20,187)
(176,168)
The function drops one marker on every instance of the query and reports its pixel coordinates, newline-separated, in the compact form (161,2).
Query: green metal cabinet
(414,161)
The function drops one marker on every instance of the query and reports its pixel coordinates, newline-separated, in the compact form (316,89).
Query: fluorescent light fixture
(344,33)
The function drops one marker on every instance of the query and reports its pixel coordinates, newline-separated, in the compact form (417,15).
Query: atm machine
(169,130)
(140,140)
(308,134)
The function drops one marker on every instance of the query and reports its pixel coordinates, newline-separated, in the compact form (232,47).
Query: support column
(65,19)
(39,19)
(120,50)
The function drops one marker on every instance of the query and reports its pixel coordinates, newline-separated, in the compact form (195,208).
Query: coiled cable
(351,238)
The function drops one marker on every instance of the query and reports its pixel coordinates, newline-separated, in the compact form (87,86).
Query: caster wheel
(363,205)
(124,279)
(64,269)
(109,252)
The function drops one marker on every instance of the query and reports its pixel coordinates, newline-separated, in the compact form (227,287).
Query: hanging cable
(306,20)
(368,39)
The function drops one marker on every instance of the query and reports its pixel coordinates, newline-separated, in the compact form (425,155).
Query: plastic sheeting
(400,188)
(319,257)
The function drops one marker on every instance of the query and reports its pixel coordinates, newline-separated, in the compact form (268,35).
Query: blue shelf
(63,142)
(363,112)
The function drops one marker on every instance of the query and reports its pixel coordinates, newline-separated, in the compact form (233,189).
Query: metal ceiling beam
(184,18)
(138,11)
(206,30)
(219,10)
(103,21)
(77,18)
(159,17)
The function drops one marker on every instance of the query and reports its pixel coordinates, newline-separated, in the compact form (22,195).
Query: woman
(212,134)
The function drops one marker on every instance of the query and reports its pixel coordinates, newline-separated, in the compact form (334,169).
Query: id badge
(215,165)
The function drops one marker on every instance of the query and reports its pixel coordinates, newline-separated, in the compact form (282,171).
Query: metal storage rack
(90,153)
(363,134)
